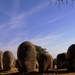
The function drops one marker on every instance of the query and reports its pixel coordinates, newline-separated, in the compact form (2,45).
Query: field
(14,71)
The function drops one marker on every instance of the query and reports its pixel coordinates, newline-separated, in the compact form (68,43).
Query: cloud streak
(46,40)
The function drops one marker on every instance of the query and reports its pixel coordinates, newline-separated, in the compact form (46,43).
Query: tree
(40,50)
(61,1)
(54,63)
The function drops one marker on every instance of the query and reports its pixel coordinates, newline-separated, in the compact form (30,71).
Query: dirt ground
(54,72)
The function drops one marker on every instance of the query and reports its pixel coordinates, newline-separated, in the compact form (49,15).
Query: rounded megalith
(1,62)
(8,60)
(45,62)
(61,60)
(26,57)
(71,58)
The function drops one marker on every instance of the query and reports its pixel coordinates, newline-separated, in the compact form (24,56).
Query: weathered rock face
(1,62)
(8,60)
(61,60)
(26,55)
(71,58)
(36,65)
(45,62)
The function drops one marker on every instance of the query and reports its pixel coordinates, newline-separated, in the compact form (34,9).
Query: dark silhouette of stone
(71,58)
(61,60)
(45,62)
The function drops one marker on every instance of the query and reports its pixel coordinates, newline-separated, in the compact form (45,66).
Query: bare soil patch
(14,71)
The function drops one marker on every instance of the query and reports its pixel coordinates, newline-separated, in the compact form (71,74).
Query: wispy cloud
(52,21)
(5,12)
(60,17)
(17,21)
(46,40)
(35,9)
(55,19)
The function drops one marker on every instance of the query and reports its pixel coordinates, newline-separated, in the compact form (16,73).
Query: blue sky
(38,21)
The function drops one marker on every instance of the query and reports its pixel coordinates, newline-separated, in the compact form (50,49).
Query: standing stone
(1,62)
(71,58)
(8,60)
(61,60)
(45,62)
(26,57)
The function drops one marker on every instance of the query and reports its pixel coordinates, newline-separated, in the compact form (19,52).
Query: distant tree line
(39,51)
